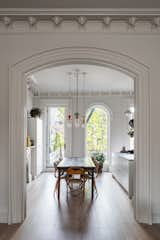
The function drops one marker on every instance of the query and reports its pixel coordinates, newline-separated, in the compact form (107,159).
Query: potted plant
(35,112)
(100,157)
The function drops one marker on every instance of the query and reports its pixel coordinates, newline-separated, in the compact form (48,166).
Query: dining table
(76,162)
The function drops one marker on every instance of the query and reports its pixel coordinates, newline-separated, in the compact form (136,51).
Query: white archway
(17,114)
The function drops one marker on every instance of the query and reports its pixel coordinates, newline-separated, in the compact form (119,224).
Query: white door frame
(47,138)
(17,121)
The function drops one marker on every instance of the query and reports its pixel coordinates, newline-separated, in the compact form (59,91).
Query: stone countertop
(127,156)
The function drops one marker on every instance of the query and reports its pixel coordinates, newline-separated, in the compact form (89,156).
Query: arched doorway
(17,124)
(98,134)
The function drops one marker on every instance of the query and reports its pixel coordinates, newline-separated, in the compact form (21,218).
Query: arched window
(98,132)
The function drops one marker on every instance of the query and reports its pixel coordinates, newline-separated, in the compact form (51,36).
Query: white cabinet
(28,165)
(35,132)
(122,170)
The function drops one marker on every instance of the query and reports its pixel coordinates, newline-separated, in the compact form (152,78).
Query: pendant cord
(69,90)
(84,76)
(77,71)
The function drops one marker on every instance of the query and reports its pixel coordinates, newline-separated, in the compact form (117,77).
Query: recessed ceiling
(97,79)
(79,4)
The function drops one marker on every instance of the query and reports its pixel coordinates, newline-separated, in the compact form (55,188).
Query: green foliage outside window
(57,142)
(57,139)
(97,131)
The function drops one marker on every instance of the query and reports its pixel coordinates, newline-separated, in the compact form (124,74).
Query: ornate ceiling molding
(80,11)
(127,94)
(81,16)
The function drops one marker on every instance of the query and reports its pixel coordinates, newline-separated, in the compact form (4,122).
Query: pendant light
(77,114)
(77,119)
(83,119)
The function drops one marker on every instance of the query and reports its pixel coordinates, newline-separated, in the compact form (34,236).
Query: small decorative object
(131,123)
(131,133)
(35,112)
(131,128)
(32,142)
(123,150)
(28,142)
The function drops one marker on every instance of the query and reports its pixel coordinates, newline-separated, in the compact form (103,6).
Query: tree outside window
(97,131)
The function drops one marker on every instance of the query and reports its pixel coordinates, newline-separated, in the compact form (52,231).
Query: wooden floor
(108,217)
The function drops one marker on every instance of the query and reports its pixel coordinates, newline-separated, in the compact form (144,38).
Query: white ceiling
(79,4)
(98,79)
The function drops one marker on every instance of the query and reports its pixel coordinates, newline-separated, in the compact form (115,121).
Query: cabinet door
(35,132)
(124,172)
(120,170)
(28,165)
(33,163)
(39,147)
(31,131)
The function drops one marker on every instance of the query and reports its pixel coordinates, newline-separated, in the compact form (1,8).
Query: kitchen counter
(122,170)
(128,156)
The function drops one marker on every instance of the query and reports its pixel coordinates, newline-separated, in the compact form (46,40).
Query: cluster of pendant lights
(75,78)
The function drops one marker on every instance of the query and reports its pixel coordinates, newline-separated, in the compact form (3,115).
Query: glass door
(56,134)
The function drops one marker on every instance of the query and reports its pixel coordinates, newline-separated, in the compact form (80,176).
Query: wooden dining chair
(76,178)
(63,176)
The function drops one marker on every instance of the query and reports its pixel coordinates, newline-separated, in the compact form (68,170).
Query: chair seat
(76,179)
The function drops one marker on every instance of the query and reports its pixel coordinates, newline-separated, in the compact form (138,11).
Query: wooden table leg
(92,184)
(59,180)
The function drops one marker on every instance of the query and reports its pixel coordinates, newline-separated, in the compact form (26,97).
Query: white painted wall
(29,100)
(21,42)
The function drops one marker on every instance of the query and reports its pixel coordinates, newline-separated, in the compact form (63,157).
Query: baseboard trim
(3,216)
(156,217)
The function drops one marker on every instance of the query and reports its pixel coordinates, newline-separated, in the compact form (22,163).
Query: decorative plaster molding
(85,94)
(156,21)
(105,16)
(32,20)
(57,20)
(107,20)
(82,20)
(80,12)
(132,21)
(6,20)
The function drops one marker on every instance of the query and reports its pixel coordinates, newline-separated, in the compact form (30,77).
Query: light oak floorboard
(108,217)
